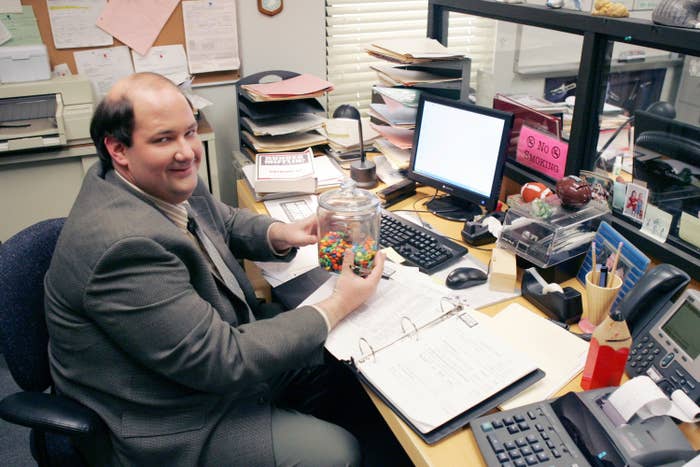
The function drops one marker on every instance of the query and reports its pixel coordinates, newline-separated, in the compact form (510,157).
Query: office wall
(292,40)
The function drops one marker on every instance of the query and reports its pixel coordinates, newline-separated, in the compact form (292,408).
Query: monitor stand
(454,209)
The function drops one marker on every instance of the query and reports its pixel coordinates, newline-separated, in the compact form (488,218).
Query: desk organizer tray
(549,241)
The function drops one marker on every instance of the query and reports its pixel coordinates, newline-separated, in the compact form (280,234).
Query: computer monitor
(460,149)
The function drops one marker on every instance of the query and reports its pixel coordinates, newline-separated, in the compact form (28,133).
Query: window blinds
(351,25)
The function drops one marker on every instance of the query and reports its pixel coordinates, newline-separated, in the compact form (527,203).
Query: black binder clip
(562,306)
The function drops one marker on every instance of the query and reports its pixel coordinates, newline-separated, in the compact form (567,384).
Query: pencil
(614,265)
(594,271)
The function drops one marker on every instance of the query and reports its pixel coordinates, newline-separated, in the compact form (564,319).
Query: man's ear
(117,150)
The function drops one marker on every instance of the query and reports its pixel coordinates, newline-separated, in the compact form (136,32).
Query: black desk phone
(578,429)
(665,334)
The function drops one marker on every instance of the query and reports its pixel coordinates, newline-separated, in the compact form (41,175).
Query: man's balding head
(114,116)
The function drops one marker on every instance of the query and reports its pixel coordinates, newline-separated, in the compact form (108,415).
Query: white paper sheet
(73,23)
(211,35)
(4,34)
(10,6)
(104,67)
(408,293)
(167,60)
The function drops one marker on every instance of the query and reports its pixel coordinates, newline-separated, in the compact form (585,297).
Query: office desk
(459,448)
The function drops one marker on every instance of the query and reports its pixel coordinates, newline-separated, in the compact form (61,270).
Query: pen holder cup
(598,302)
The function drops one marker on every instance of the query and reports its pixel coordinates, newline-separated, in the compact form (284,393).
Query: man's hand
(300,233)
(351,290)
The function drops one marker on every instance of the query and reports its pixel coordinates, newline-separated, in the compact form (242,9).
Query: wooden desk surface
(459,448)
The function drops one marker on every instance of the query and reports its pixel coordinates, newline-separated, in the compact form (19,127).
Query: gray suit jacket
(141,332)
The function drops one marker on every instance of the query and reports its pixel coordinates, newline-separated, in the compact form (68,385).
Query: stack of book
(417,65)
(282,115)
(525,115)
(284,174)
(344,139)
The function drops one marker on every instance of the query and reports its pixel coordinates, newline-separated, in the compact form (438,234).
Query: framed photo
(657,223)
(601,186)
(635,201)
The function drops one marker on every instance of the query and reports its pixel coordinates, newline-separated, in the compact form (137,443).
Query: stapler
(564,305)
(477,232)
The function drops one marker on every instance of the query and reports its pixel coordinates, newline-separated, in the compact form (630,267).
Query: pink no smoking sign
(542,152)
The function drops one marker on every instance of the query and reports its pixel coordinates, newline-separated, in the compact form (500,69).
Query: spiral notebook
(428,357)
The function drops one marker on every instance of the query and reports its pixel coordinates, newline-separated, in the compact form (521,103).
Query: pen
(614,265)
(603,276)
(594,278)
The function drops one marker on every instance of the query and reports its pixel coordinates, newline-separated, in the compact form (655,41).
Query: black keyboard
(524,437)
(417,245)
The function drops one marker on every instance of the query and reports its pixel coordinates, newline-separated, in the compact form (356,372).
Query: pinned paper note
(136,23)
(73,23)
(211,35)
(104,66)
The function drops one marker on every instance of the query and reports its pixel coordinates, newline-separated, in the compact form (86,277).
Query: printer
(43,114)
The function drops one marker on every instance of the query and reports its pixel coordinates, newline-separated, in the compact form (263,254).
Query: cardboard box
(503,272)
(24,63)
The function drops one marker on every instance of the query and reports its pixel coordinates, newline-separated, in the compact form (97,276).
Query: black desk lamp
(364,172)
(660,108)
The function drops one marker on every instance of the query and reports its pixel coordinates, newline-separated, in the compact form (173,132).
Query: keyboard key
(509,445)
(531,460)
(521,442)
(556,453)
(497,423)
(512,429)
(508,421)
(520,463)
(526,451)
(486,427)
(502,457)
(495,443)
(542,457)
(514,454)
(518,418)
(428,250)
(523,426)
(531,439)
(537,447)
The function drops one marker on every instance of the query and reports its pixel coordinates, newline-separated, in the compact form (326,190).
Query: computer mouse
(464,277)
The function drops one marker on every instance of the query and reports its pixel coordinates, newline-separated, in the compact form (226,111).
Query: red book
(524,115)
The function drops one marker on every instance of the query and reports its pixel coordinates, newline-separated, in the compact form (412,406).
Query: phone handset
(652,294)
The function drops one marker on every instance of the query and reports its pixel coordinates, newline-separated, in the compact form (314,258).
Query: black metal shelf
(599,34)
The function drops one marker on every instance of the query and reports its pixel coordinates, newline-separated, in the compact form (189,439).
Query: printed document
(211,35)
(73,23)
(104,66)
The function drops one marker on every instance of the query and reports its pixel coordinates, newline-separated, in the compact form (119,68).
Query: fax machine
(41,114)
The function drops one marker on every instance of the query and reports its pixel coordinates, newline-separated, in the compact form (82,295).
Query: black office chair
(54,419)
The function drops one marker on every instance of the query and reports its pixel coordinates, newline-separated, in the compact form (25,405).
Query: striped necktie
(233,278)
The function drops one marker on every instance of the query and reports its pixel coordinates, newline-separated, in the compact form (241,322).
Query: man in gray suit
(149,328)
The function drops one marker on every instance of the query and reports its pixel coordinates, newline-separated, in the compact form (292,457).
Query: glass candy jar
(348,218)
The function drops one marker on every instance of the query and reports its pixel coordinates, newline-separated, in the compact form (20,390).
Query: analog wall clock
(270,7)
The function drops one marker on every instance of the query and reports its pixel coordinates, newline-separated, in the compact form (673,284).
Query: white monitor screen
(459,147)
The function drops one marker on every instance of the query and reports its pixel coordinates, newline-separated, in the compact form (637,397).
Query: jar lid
(348,198)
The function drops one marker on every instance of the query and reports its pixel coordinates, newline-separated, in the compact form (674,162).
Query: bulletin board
(172,33)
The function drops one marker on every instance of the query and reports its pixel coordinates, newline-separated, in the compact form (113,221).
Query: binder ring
(363,351)
(406,319)
(455,303)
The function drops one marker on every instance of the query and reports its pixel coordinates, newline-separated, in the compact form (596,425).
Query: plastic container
(546,241)
(348,217)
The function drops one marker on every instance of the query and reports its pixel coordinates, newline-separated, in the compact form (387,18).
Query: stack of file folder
(283,115)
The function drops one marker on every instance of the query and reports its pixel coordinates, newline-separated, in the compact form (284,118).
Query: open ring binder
(456,371)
